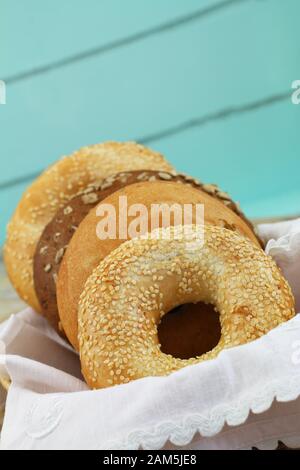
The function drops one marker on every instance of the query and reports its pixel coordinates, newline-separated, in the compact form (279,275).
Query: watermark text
(128,221)
(2,92)
(296,93)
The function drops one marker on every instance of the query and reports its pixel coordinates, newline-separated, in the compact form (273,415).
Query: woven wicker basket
(5,383)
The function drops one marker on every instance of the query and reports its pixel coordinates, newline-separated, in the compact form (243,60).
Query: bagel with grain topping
(52,190)
(131,290)
(85,250)
(58,233)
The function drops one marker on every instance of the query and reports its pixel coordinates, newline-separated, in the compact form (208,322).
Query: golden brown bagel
(126,296)
(52,190)
(58,232)
(86,250)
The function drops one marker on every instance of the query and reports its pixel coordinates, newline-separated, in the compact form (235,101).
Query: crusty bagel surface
(52,190)
(126,296)
(86,250)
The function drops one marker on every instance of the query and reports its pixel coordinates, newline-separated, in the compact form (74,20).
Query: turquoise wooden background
(211,90)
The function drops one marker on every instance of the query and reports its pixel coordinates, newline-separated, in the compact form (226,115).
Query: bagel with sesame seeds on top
(53,189)
(86,250)
(59,231)
(131,290)
(57,234)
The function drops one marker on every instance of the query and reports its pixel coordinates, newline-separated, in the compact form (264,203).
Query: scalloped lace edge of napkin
(182,431)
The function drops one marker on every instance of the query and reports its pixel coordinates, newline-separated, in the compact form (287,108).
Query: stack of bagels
(107,297)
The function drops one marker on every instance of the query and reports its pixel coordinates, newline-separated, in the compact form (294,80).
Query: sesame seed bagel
(59,231)
(52,190)
(127,295)
(85,250)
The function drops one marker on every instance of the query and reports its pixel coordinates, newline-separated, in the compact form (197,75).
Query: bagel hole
(189,330)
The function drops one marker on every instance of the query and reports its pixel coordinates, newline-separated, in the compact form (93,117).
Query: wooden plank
(148,86)
(155,84)
(34,33)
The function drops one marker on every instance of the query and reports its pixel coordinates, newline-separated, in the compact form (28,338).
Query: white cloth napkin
(246,397)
